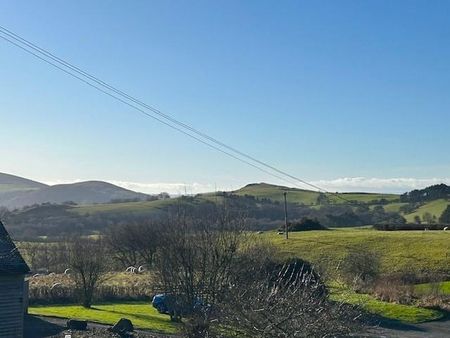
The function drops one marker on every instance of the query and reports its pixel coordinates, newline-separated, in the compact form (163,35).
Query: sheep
(130,269)
(55,285)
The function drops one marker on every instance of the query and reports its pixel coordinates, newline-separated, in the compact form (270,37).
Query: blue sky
(350,94)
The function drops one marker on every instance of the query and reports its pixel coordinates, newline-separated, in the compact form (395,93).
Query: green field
(413,251)
(404,313)
(435,207)
(418,252)
(142,315)
(427,288)
(306,197)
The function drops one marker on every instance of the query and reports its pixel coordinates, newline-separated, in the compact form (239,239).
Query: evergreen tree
(445,217)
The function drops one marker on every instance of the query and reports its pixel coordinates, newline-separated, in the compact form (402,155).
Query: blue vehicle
(160,303)
(168,304)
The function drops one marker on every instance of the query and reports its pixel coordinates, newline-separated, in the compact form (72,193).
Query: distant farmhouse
(12,287)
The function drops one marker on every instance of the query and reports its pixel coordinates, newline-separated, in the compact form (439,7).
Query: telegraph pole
(286,233)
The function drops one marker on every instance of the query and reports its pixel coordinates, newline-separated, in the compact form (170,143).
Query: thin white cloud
(371,184)
(171,188)
(344,184)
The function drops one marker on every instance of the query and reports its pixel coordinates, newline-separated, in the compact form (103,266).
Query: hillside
(435,208)
(18,192)
(12,187)
(308,197)
(262,204)
(10,183)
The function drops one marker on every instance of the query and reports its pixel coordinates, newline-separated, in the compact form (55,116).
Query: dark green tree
(445,217)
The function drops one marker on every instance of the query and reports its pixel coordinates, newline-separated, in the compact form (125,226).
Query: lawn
(142,315)
(412,251)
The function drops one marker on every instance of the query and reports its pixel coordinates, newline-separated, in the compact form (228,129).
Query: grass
(427,288)
(435,207)
(142,315)
(404,313)
(393,207)
(8,187)
(307,197)
(413,251)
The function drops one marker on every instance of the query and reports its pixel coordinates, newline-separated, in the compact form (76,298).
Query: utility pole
(286,233)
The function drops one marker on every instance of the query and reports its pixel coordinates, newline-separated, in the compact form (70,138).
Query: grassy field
(414,251)
(306,197)
(404,313)
(420,252)
(434,208)
(426,288)
(143,315)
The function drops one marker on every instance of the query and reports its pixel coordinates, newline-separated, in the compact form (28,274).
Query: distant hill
(10,183)
(261,203)
(308,197)
(18,192)
(12,187)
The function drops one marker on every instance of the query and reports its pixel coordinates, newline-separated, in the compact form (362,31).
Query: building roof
(11,262)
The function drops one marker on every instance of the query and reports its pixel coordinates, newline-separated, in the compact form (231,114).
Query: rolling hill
(17,192)
(307,197)
(10,183)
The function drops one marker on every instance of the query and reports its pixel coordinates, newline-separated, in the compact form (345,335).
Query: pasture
(435,207)
(307,197)
(420,252)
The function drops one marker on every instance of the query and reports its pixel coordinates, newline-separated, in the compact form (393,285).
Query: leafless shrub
(393,288)
(284,301)
(360,268)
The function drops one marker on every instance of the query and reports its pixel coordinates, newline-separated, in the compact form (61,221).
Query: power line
(168,120)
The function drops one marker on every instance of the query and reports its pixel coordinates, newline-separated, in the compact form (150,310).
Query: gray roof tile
(11,262)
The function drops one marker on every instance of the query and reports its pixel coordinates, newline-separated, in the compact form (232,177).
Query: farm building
(12,287)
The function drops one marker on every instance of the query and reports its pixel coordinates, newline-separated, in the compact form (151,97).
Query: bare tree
(134,244)
(88,260)
(195,258)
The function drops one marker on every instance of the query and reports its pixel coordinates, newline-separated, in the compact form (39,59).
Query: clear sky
(351,94)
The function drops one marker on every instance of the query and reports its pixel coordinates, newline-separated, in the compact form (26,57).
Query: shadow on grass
(145,317)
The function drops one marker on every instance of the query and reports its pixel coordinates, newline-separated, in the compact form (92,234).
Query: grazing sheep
(141,269)
(130,269)
(55,285)
(446,228)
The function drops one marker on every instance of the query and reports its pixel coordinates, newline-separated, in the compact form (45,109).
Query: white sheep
(55,285)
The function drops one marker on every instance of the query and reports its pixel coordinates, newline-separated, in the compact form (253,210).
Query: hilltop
(309,197)
(18,192)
